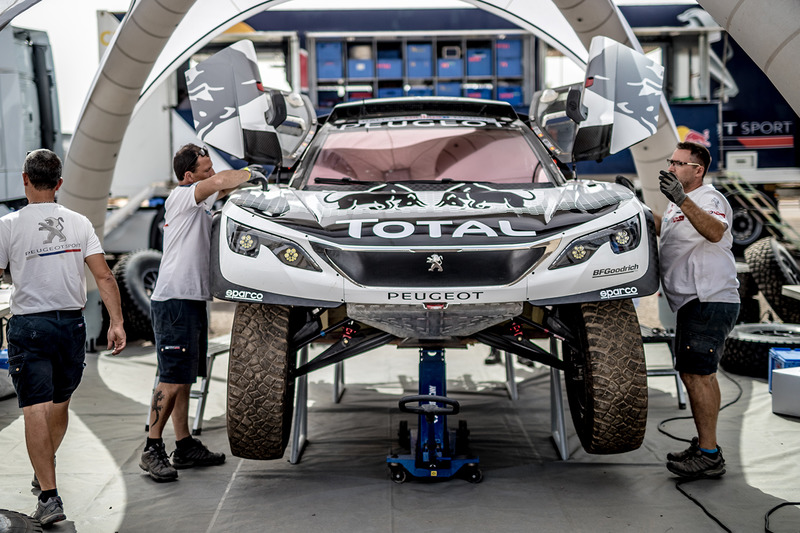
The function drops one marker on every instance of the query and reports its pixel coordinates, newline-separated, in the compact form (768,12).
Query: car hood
(427,214)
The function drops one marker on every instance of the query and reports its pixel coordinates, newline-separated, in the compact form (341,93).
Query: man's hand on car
(257,175)
(671,187)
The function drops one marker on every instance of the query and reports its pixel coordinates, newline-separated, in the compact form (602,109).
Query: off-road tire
(747,347)
(607,389)
(136,274)
(14,522)
(260,386)
(773,267)
(747,224)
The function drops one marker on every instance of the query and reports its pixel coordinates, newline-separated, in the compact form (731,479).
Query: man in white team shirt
(45,246)
(178,309)
(698,275)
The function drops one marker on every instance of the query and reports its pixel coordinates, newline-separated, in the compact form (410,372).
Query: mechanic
(178,308)
(698,276)
(45,245)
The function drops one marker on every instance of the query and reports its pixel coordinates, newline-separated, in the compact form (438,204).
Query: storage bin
(782,358)
(451,68)
(508,48)
(510,67)
(511,94)
(418,68)
(390,92)
(479,62)
(389,68)
(478,93)
(421,90)
(360,68)
(329,51)
(419,51)
(329,69)
(449,88)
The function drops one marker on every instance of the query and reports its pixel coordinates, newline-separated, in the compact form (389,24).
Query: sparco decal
(619,293)
(399,229)
(435,296)
(614,271)
(244,295)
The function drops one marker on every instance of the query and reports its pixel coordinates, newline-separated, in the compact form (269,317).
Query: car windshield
(427,150)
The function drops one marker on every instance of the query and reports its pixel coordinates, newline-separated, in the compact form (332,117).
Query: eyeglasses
(682,163)
(203,152)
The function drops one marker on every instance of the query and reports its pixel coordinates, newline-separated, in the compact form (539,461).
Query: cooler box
(479,62)
(389,68)
(360,68)
(6,385)
(786,391)
(782,358)
(451,68)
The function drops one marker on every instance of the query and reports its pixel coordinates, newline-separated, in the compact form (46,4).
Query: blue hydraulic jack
(437,453)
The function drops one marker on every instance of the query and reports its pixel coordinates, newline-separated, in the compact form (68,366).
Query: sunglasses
(682,163)
(203,152)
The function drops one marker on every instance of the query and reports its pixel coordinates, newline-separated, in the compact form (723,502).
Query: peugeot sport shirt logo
(54,227)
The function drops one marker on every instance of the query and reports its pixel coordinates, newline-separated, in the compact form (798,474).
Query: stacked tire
(747,348)
(136,274)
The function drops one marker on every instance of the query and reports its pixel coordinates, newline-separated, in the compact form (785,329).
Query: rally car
(428,221)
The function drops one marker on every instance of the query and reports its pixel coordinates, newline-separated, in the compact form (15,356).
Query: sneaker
(679,457)
(197,455)
(49,512)
(698,465)
(155,462)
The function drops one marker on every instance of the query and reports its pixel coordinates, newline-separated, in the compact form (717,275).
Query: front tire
(260,386)
(607,387)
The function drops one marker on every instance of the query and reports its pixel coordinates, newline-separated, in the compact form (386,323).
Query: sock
(185,443)
(152,442)
(47,494)
(712,453)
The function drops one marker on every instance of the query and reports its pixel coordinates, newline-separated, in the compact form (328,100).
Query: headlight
(248,241)
(622,237)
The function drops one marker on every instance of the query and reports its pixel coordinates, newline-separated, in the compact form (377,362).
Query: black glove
(671,187)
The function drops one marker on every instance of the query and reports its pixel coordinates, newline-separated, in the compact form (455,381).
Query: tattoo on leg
(156,406)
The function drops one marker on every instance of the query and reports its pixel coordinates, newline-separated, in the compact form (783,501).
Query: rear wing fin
(621,96)
(234,113)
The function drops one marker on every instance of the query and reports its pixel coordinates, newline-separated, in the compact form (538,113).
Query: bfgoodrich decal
(614,271)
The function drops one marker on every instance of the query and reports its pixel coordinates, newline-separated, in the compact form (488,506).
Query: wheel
(747,347)
(157,229)
(773,267)
(607,384)
(260,386)
(747,226)
(136,274)
(398,474)
(472,473)
(14,522)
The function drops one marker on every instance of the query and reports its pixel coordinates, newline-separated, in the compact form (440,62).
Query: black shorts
(700,334)
(181,332)
(46,355)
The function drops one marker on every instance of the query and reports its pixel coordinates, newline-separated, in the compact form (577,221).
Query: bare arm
(109,292)
(706,224)
(224,183)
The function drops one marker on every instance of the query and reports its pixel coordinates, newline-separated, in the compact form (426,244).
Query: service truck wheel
(773,267)
(607,387)
(260,389)
(747,347)
(136,274)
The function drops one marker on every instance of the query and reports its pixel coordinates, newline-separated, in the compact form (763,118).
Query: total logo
(244,295)
(619,293)
(400,229)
